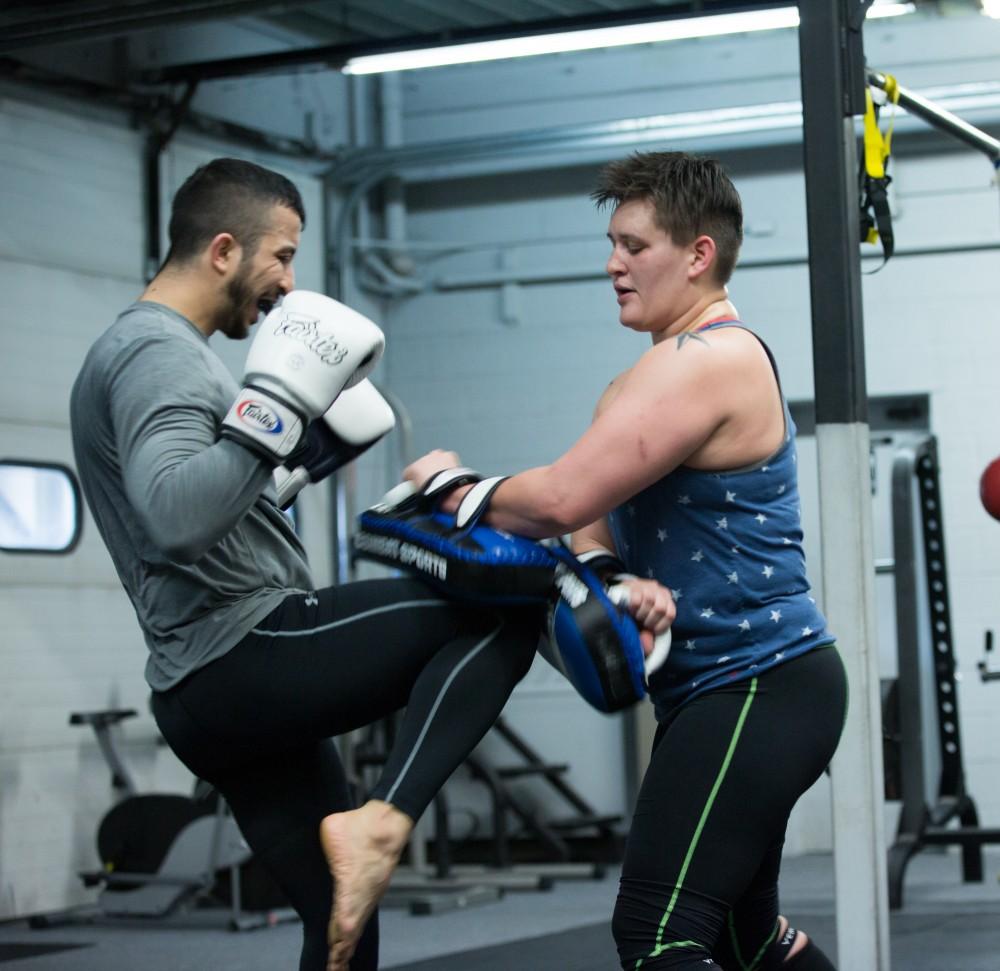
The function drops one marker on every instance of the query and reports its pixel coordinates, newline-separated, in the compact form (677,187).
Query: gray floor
(945,926)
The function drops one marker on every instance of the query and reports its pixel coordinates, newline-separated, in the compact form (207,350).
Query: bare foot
(362,848)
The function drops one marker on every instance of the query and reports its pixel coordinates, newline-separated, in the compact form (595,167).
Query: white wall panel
(51,317)
(302,105)
(71,193)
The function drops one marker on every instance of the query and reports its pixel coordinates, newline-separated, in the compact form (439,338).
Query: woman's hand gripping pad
(465,560)
(593,642)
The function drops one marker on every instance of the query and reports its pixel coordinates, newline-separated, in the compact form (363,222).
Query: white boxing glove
(351,425)
(306,351)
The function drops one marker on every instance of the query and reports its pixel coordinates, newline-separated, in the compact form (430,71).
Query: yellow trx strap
(876,220)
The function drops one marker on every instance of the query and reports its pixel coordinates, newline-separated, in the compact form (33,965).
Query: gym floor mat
(589,948)
(918,943)
(16,952)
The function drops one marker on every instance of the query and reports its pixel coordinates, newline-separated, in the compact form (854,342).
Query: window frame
(77,494)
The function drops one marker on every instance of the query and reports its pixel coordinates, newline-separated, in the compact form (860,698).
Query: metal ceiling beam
(141,106)
(95,21)
(552,7)
(304,23)
(469,14)
(335,56)
(391,17)
(516,16)
(420,16)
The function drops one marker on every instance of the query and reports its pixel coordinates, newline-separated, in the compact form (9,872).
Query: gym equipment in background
(986,672)
(552,835)
(922,740)
(163,853)
(544,851)
(989,488)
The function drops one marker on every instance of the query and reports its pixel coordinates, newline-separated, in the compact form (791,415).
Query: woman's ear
(703,252)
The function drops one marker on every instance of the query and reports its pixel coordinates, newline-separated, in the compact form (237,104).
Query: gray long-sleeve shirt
(190,521)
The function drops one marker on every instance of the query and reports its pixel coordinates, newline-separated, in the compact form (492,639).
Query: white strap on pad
(435,485)
(618,594)
(448,479)
(475,501)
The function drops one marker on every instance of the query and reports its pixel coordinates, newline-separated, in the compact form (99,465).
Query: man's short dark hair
(227,195)
(691,195)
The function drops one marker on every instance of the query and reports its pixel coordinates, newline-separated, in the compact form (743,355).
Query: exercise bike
(162,853)
(986,672)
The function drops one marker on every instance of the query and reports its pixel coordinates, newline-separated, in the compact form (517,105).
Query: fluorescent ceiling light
(581,40)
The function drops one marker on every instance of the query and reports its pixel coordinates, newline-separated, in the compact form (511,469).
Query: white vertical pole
(849,602)
(831,60)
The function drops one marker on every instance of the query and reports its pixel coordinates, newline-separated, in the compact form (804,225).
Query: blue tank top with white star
(729,546)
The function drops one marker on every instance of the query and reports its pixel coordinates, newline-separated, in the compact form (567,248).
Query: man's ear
(224,253)
(703,252)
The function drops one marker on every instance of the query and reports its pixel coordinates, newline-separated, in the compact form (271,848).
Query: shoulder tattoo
(682,339)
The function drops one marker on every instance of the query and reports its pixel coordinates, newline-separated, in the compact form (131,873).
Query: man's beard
(232,318)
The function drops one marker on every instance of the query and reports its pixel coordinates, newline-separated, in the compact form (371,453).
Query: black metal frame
(923,821)
(831,65)
(550,833)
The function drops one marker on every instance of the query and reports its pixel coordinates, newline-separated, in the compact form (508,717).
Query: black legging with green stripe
(699,885)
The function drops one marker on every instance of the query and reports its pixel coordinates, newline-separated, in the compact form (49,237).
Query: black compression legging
(699,885)
(257,723)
